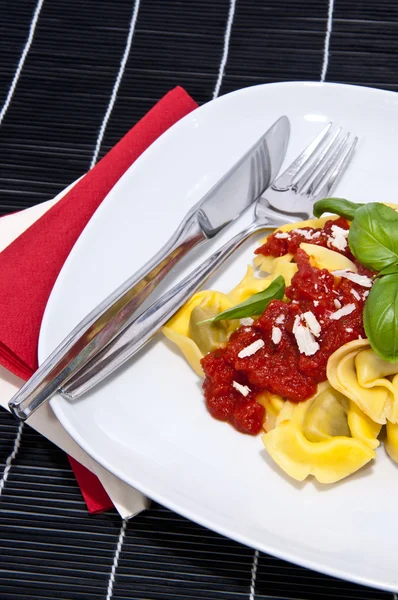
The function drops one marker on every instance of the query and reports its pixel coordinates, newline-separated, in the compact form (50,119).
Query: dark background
(49,546)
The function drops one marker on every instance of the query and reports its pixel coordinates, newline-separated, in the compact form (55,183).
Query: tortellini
(195,340)
(334,433)
(273,405)
(391,442)
(179,328)
(314,438)
(362,427)
(323,258)
(359,373)
(249,285)
(328,461)
(282,265)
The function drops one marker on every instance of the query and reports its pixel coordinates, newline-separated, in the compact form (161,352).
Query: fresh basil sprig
(255,305)
(373,237)
(373,240)
(380,317)
(337,206)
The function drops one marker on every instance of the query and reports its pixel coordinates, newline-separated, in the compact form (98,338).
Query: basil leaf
(337,206)
(256,304)
(373,237)
(391,270)
(380,317)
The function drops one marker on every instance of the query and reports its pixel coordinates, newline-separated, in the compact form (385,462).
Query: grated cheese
(312,323)
(251,349)
(339,231)
(282,235)
(355,294)
(346,310)
(247,321)
(337,303)
(243,389)
(304,232)
(338,238)
(362,280)
(276,335)
(279,320)
(316,302)
(305,340)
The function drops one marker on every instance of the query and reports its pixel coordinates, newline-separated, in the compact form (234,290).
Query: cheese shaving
(276,335)
(305,340)
(362,280)
(247,321)
(251,349)
(312,323)
(337,303)
(343,312)
(304,232)
(243,389)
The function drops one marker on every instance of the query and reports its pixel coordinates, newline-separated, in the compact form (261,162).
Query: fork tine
(286,179)
(330,178)
(317,164)
(328,162)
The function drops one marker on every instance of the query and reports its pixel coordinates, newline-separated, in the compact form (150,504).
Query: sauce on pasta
(286,349)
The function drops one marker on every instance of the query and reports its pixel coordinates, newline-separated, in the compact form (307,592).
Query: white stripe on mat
(227,37)
(254,576)
(22,59)
(17,444)
(327,41)
(116,560)
(117,82)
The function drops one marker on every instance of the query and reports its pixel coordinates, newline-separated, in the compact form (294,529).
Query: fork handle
(148,323)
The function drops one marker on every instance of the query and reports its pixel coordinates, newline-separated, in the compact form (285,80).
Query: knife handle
(100,326)
(148,323)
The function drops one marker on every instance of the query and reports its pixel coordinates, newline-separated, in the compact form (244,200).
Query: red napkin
(93,491)
(30,265)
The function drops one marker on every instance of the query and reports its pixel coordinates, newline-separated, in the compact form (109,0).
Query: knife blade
(227,199)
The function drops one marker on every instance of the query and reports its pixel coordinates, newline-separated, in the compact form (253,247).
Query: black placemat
(59,60)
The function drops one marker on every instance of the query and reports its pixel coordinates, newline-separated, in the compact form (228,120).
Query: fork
(310,177)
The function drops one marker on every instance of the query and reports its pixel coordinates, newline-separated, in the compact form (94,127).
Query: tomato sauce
(232,382)
(278,246)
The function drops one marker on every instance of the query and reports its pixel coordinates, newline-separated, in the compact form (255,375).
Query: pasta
(368,380)
(334,432)
(177,329)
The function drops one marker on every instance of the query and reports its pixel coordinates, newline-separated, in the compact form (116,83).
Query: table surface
(59,64)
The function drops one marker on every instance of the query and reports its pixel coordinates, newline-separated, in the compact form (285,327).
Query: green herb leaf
(380,317)
(373,237)
(337,206)
(256,304)
(391,270)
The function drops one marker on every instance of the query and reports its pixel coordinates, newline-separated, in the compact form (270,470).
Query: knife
(225,201)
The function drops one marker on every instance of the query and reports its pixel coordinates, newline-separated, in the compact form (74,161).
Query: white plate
(148,425)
